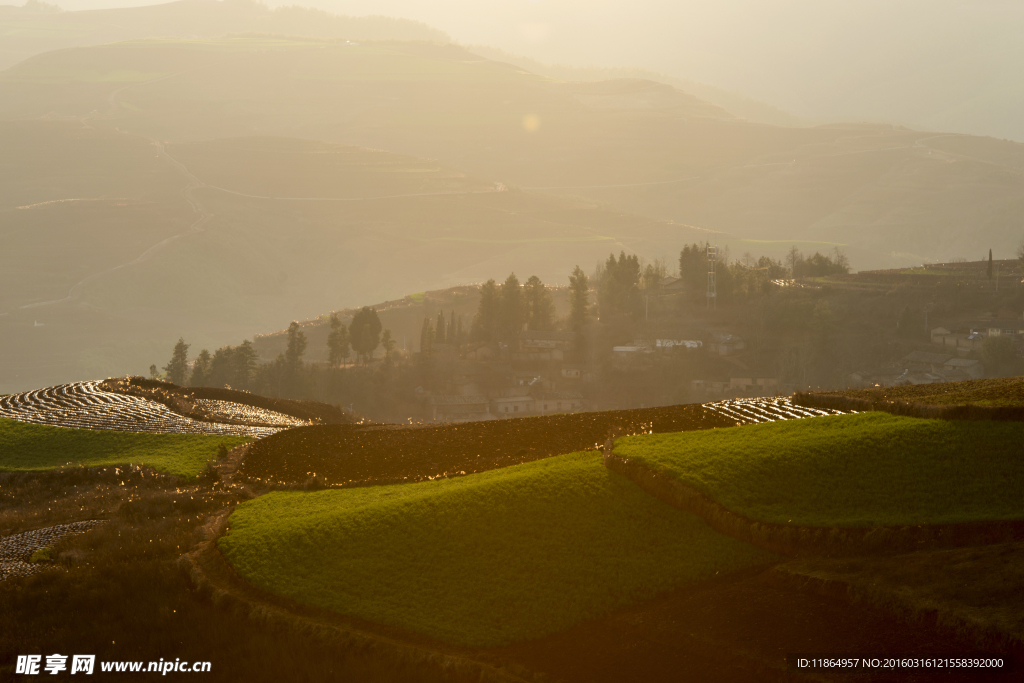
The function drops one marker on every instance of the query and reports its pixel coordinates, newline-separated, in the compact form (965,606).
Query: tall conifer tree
(177,367)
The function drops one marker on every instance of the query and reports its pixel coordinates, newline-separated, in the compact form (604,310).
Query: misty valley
(371,346)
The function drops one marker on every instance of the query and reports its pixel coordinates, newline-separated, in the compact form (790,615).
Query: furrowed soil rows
(754,410)
(16,551)
(84,405)
(378,454)
(210,404)
(237,411)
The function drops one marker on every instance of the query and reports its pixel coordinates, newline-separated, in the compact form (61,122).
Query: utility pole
(712,291)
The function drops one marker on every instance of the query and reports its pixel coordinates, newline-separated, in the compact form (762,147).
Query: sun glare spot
(531,123)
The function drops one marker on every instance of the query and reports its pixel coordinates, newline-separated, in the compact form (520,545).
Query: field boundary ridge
(831,586)
(962,411)
(800,541)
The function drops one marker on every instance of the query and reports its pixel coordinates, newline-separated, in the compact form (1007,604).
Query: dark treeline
(368,387)
(386,383)
(747,276)
(508,308)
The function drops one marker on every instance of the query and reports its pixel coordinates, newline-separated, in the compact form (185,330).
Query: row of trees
(442,331)
(620,283)
(234,366)
(239,367)
(505,309)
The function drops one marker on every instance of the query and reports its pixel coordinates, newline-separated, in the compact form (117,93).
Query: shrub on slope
(26,447)
(481,560)
(849,470)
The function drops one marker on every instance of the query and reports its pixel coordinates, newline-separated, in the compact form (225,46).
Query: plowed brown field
(380,454)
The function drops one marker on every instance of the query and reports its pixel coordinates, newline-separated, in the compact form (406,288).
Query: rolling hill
(38,27)
(216,188)
(111,236)
(890,194)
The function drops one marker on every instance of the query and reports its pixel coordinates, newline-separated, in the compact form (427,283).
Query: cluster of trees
(744,277)
(238,366)
(618,286)
(504,310)
(817,265)
(444,331)
(363,335)
(747,276)
(233,366)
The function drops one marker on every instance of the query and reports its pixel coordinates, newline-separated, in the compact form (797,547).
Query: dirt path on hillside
(204,216)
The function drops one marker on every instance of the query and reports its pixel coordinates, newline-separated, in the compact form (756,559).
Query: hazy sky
(940,64)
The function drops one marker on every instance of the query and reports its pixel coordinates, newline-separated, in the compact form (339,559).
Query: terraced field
(482,560)
(237,411)
(386,454)
(857,471)
(84,405)
(383,454)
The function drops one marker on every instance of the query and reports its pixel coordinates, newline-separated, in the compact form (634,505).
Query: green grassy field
(482,560)
(1002,391)
(850,470)
(28,447)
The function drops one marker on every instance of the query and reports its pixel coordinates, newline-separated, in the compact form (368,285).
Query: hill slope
(481,560)
(500,170)
(120,238)
(890,194)
(870,469)
(32,29)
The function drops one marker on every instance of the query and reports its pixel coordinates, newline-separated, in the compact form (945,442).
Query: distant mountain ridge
(38,27)
(735,103)
(212,188)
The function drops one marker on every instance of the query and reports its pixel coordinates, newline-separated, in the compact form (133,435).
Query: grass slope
(27,447)
(975,587)
(482,560)
(1003,391)
(849,470)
